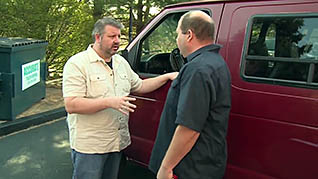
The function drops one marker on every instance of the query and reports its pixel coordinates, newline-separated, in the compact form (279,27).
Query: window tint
(282,48)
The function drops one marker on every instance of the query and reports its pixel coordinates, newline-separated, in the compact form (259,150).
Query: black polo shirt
(199,99)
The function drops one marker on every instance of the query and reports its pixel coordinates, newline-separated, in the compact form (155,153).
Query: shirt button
(111,74)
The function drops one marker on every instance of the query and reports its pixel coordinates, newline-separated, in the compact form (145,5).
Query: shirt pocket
(99,85)
(123,84)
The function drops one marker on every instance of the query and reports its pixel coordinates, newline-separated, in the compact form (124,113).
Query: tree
(67,24)
(68,32)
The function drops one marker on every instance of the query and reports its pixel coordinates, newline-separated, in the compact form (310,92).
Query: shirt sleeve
(135,81)
(73,80)
(196,92)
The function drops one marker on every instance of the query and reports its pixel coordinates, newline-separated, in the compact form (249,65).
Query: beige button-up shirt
(87,75)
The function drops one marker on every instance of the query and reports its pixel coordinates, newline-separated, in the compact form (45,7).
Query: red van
(271,48)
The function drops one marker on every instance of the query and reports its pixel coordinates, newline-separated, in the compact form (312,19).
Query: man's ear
(190,35)
(98,38)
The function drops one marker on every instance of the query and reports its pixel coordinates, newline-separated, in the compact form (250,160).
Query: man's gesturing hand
(123,104)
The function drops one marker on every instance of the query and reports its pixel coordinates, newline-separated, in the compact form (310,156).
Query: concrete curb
(29,121)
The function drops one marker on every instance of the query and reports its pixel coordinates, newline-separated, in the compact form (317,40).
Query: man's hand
(164,173)
(172,75)
(123,104)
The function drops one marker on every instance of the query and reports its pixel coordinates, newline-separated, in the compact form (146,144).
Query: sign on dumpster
(30,74)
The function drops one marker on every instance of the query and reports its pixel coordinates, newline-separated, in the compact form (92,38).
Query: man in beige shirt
(96,85)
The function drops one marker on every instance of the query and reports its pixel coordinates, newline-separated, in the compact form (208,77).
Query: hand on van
(151,84)
(172,75)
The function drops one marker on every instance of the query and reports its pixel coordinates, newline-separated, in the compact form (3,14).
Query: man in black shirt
(191,139)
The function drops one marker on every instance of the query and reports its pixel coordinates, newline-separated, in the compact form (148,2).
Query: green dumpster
(22,74)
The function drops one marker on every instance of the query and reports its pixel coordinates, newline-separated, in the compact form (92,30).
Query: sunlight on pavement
(62,144)
(17,163)
(61,141)
(18,160)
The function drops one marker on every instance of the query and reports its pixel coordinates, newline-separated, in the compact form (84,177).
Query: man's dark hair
(202,28)
(100,24)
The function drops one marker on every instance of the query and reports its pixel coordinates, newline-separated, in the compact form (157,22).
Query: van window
(157,46)
(283,49)
(316,75)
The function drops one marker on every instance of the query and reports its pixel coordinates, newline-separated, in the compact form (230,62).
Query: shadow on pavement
(43,152)
(134,171)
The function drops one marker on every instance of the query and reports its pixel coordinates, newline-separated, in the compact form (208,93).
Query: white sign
(30,74)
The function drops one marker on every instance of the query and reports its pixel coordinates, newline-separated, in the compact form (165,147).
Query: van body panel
(144,121)
(273,127)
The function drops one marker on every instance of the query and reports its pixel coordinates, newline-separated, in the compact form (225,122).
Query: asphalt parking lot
(42,152)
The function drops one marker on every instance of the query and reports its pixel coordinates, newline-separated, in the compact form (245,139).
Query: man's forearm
(84,105)
(182,142)
(151,84)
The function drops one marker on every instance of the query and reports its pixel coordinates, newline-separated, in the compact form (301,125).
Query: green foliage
(68,33)
(166,32)
(23,18)
(67,24)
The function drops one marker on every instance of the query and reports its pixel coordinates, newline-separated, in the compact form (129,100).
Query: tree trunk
(139,16)
(98,9)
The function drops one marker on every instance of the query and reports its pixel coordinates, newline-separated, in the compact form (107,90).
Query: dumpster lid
(18,41)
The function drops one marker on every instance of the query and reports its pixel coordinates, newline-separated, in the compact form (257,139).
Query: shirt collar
(212,47)
(93,56)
